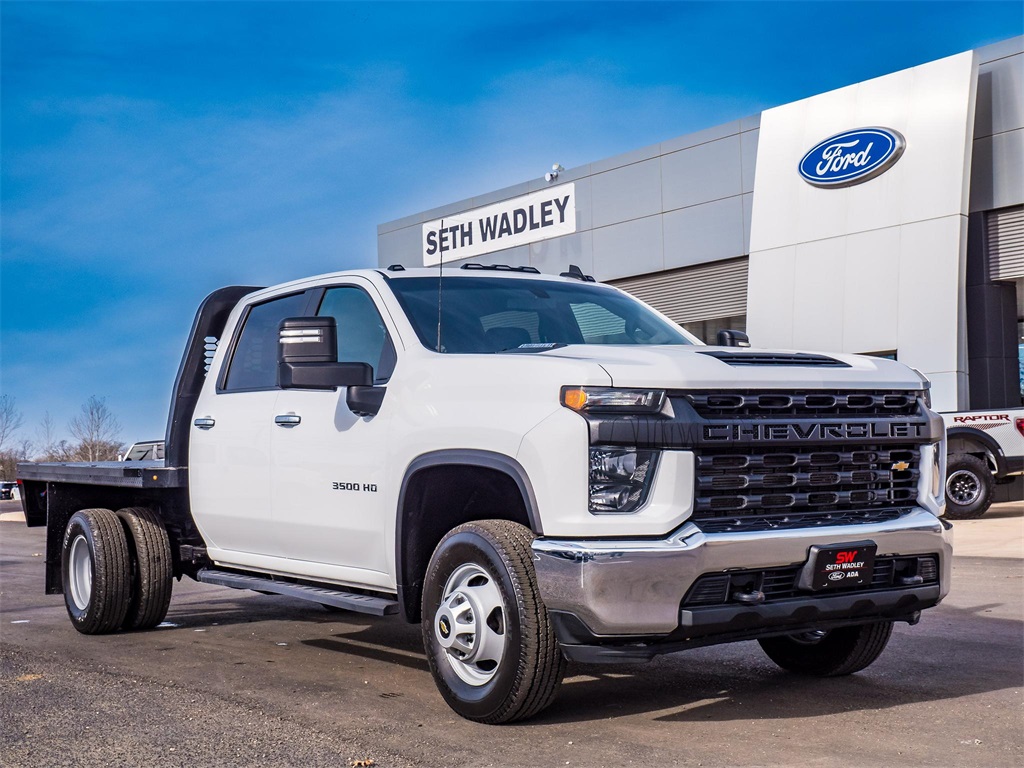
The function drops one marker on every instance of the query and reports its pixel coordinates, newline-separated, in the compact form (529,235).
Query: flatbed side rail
(136,474)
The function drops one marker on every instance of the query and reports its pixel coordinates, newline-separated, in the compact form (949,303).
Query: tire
(969,487)
(151,565)
(510,666)
(833,653)
(95,571)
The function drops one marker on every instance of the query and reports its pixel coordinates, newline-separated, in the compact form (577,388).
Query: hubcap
(812,637)
(80,572)
(963,487)
(470,624)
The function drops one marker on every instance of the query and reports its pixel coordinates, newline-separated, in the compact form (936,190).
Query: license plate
(838,566)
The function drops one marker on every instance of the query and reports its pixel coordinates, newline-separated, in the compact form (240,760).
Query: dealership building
(886,218)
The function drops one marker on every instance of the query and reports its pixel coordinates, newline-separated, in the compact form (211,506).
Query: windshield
(487,314)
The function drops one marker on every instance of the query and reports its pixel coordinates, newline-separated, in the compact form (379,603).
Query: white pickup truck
(535,468)
(986,460)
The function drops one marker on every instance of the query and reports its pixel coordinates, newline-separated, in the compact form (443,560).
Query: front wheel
(829,653)
(489,640)
(969,487)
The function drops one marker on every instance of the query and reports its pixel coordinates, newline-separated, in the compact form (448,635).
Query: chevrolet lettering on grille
(789,432)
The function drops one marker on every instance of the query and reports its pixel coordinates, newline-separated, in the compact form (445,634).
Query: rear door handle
(204,423)
(287,419)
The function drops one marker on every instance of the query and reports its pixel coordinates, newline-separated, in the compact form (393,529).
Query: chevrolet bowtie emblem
(900,466)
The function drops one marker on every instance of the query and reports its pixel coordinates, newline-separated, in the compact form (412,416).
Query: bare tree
(10,418)
(97,431)
(10,421)
(62,450)
(10,457)
(46,434)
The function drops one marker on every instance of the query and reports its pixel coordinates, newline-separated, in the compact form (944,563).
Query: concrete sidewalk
(1000,533)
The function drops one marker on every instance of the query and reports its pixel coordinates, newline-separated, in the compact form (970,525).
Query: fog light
(620,479)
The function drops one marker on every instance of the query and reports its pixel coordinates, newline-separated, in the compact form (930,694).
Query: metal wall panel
(1000,94)
(704,233)
(997,179)
(702,174)
(1005,238)
(626,193)
(701,292)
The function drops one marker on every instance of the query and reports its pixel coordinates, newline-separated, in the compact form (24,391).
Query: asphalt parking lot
(243,679)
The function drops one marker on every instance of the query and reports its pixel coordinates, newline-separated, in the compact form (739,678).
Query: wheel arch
(443,489)
(976,443)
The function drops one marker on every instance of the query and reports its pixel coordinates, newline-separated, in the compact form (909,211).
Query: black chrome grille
(755,481)
(780,583)
(818,404)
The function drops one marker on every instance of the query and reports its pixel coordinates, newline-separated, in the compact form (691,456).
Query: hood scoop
(795,359)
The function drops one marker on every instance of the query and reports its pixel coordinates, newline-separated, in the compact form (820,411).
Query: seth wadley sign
(519,221)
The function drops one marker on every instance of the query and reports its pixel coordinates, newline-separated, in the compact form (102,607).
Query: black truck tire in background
(95,571)
(495,559)
(151,567)
(831,653)
(969,487)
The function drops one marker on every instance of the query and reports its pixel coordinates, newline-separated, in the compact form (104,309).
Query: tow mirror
(733,339)
(307,357)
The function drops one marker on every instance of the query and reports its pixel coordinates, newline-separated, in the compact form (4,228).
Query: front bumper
(620,591)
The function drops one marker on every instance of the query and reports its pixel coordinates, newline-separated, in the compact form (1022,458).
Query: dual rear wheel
(117,570)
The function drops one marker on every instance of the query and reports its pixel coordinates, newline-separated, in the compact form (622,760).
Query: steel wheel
(95,571)
(470,624)
(489,641)
(80,572)
(812,637)
(963,487)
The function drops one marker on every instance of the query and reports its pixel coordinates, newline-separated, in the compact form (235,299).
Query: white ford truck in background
(986,460)
(535,468)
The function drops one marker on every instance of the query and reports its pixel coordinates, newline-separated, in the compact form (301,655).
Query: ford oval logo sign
(852,157)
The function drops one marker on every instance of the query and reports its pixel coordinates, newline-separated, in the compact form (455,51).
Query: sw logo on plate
(852,157)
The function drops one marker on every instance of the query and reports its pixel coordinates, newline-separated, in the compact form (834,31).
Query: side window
(254,362)
(362,335)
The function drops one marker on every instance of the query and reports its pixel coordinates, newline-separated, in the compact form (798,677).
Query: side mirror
(733,339)
(307,357)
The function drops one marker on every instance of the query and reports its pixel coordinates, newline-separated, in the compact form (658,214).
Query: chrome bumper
(620,588)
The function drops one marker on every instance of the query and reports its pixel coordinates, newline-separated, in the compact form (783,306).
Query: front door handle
(287,419)
(204,423)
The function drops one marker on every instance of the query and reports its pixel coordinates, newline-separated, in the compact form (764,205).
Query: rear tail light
(1020,426)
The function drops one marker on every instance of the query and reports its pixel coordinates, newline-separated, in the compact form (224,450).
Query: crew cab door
(327,464)
(229,445)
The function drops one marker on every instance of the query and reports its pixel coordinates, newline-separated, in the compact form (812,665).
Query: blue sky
(152,152)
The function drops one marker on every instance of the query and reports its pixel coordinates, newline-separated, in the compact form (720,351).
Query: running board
(338,598)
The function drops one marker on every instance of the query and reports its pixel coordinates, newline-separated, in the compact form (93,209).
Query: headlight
(620,479)
(613,400)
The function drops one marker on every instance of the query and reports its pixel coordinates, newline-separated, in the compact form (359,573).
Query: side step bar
(339,598)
